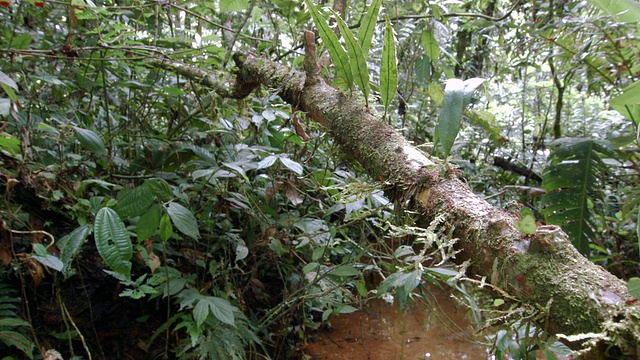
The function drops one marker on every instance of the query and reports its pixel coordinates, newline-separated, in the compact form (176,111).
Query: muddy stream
(434,329)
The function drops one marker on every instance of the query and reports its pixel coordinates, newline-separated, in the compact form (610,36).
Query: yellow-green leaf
(336,51)
(367,27)
(389,67)
(430,45)
(527,222)
(356,58)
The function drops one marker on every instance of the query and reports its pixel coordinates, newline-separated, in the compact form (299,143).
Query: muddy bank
(433,329)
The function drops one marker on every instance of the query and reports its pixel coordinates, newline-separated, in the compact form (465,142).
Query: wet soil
(436,328)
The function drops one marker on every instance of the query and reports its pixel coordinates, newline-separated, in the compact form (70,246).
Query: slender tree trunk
(543,270)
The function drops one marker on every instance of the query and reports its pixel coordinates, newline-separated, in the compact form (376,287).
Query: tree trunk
(543,270)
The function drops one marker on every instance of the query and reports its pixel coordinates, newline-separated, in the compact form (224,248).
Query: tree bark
(542,270)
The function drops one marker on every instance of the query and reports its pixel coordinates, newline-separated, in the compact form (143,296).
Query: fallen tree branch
(543,270)
(513,167)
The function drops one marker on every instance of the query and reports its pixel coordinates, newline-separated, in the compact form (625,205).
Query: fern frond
(573,180)
(11,325)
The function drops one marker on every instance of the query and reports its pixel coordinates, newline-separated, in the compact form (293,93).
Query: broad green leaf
(368,26)
(6,80)
(183,219)
(90,140)
(220,308)
(326,314)
(149,222)
(336,51)
(345,270)
(430,45)
(422,68)
(457,95)
(361,286)
(312,266)
(46,258)
(436,93)
(628,103)
(443,273)
(134,202)
(625,10)
(173,91)
(233,5)
(267,162)
(407,281)
(10,92)
(403,250)
(388,68)
(71,244)
(318,253)
(357,59)
(292,165)
(527,222)
(242,251)
(112,241)
(160,188)
(201,312)
(487,121)
(634,287)
(10,144)
(166,230)
(277,247)
(345,309)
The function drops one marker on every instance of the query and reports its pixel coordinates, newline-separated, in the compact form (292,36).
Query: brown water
(434,329)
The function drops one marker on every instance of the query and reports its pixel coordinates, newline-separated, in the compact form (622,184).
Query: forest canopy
(221,178)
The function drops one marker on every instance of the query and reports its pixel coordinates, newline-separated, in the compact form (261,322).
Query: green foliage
(430,45)
(90,140)
(9,86)
(625,10)
(634,287)
(12,327)
(357,58)
(70,245)
(527,342)
(457,96)
(368,26)
(628,104)
(183,219)
(351,65)
(573,181)
(233,5)
(216,340)
(204,306)
(344,75)
(112,241)
(388,68)
(527,222)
